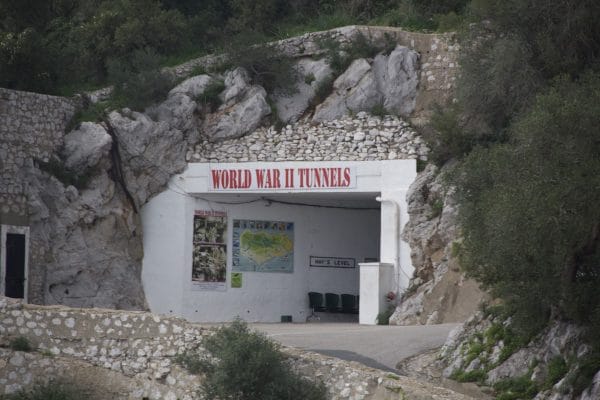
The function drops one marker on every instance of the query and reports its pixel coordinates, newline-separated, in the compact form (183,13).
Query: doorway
(13,261)
(14,280)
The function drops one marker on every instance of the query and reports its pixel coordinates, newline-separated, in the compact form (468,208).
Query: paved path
(375,346)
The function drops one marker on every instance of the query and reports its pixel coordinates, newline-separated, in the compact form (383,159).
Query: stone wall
(130,355)
(363,137)
(32,127)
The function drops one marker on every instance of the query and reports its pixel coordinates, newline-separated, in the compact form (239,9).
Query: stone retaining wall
(363,137)
(32,127)
(129,355)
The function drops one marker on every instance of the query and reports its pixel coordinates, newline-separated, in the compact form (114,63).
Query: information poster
(263,246)
(209,267)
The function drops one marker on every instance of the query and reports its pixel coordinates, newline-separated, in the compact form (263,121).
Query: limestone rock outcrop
(86,242)
(85,146)
(244,107)
(438,292)
(387,81)
(561,340)
(310,74)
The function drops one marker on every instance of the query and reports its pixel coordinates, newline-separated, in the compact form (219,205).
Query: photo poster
(209,265)
(262,246)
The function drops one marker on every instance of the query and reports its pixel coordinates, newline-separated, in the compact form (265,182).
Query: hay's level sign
(302,179)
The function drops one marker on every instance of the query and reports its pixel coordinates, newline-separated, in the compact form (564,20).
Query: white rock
(193,87)
(85,146)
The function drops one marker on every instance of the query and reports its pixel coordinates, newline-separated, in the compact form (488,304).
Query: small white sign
(332,262)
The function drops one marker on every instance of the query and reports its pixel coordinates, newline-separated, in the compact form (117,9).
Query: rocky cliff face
(553,365)
(438,292)
(81,192)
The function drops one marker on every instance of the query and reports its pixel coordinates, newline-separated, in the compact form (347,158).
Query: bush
(383,318)
(529,232)
(53,390)
(210,96)
(245,365)
(57,168)
(20,343)
(266,64)
(557,369)
(516,388)
(475,375)
(139,82)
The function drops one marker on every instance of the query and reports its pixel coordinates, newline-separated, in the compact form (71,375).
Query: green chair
(349,303)
(315,301)
(332,302)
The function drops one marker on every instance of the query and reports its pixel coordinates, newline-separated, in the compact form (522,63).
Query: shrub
(557,369)
(53,390)
(379,110)
(529,233)
(139,82)
(210,96)
(56,168)
(516,388)
(245,365)
(383,318)
(20,343)
(266,64)
(475,375)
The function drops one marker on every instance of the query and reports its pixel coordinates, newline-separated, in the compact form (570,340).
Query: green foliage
(383,318)
(67,45)
(529,233)
(56,168)
(379,110)
(437,206)
(245,365)
(310,78)
(324,88)
(475,375)
(210,96)
(20,343)
(421,165)
(516,388)
(138,82)
(557,369)
(53,390)
(266,64)
(583,374)
(91,112)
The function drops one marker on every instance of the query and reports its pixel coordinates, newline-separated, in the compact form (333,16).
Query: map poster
(209,266)
(263,246)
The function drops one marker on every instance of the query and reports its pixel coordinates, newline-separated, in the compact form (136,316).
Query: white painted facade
(363,235)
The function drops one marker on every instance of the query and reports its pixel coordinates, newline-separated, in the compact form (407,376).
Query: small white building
(252,239)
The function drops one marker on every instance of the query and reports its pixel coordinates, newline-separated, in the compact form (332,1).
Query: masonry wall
(32,128)
(130,355)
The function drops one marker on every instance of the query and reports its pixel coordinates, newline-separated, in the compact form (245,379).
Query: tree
(528,208)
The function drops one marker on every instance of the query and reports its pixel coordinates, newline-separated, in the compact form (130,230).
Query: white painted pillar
(376,280)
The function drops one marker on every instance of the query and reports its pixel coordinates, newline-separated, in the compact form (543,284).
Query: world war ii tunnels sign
(278,178)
